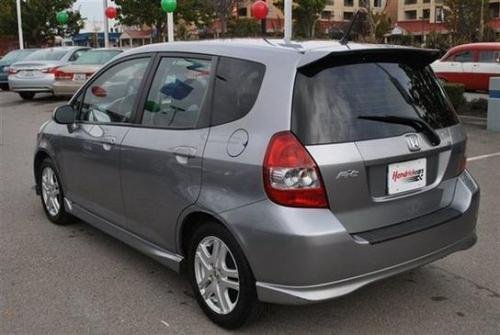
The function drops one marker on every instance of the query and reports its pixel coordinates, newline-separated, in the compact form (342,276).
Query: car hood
(35,65)
(75,68)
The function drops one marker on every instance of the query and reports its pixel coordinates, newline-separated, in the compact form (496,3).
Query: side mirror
(65,115)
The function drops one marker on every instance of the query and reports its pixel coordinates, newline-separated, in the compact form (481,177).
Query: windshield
(15,56)
(339,103)
(48,54)
(97,57)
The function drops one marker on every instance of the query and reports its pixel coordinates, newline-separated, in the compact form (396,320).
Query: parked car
(71,77)
(9,59)
(36,73)
(267,172)
(470,64)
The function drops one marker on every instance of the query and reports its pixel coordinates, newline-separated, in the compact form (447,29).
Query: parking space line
(477,158)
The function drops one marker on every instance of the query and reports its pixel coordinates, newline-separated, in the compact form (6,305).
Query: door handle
(108,142)
(183,154)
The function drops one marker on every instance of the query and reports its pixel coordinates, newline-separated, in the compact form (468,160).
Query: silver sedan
(37,72)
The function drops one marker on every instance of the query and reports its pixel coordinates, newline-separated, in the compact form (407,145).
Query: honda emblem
(413,142)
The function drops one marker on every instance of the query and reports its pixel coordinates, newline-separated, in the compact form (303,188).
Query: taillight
(12,71)
(49,70)
(61,75)
(291,176)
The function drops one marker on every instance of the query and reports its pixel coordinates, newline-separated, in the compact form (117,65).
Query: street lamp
(19,24)
(288,21)
(106,24)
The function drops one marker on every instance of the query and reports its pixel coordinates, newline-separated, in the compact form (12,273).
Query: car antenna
(345,38)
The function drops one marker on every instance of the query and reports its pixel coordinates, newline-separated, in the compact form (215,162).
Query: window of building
(410,15)
(243,12)
(349,3)
(348,16)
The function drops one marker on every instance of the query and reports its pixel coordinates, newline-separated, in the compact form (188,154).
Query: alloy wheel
(217,275)
(50,191)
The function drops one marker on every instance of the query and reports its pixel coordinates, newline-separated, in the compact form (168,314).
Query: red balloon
(260,9)
(111,13)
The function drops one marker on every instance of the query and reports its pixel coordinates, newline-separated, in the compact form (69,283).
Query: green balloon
(62,17)
(169,6)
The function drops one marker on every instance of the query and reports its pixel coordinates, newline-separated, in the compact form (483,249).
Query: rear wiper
(417,124)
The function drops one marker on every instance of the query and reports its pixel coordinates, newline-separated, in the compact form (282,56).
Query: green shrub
(456,94)
(476,107)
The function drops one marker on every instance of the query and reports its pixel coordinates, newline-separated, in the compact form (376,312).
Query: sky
(93,11)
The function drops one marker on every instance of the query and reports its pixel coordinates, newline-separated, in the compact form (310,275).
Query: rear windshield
(47,54)
(16,55)
(96,57)
(328,104)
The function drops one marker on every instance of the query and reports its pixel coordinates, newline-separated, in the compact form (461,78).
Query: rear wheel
(52,195)
(27,95)
(4,87)
(221,277)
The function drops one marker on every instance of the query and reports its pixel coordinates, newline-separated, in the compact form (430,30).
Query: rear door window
(489,56)
(327,105)
(464,57)
(237,86)
(178,93)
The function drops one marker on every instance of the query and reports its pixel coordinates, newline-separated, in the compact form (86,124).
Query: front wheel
(52,195)
(27,95)
(221,277)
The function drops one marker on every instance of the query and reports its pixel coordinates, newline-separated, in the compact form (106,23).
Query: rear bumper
(38,84)
(66,87)
(301,256)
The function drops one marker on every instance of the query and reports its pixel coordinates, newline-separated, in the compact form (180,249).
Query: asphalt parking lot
(77,280)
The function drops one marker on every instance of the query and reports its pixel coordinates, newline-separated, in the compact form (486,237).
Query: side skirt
(171,260)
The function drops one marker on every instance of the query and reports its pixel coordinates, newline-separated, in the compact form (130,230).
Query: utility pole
(19,24)
(106,24)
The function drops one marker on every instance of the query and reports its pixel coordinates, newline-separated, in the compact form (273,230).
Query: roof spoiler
(411,56)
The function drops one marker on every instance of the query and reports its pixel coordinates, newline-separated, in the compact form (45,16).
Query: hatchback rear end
(368,181)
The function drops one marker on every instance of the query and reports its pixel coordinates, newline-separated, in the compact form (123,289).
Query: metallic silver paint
(141,188)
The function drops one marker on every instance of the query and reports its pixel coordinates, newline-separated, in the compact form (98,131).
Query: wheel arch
(191,219)
(40,156)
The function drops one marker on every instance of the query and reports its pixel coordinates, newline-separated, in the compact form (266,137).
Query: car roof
(476,46)
(254,49)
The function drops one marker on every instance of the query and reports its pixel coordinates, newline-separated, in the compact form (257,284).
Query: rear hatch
(384,135)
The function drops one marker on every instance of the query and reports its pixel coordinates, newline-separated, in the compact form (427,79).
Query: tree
(382,24)
(243,27)
(39,20)
(463,18)
(202,13)
(306,14)
(368,22)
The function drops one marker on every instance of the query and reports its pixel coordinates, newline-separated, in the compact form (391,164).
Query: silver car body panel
(145,192)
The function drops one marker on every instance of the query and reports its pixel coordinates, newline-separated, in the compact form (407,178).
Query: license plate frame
(79,77)
(406,176)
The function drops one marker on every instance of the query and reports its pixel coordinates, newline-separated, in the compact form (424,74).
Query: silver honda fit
(267,172)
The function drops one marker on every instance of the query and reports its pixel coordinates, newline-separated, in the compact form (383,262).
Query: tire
(27,95)
(245,306)
(49,184)
(4,87)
